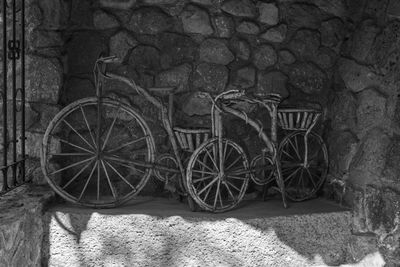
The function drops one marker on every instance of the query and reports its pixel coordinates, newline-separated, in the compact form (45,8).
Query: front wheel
(97,155)
(303,179)
(214,188)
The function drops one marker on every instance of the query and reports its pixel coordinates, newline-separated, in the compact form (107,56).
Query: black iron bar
(23,90)
(14,93)
(5,137)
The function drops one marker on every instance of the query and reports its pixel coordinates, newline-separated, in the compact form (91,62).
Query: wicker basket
(190,139)
(297,119)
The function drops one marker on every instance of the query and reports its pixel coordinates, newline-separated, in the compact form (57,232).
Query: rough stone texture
(240,8)
(332,33)
(55,14)
(22,227)
(196,104)
(244,77)
(275,34)
(104,21)
(45,43)
(272,82)
(363,40)
(356,77)
(224,26)
(394,9)
(121,43)
(215,51)
(241,49)
(371,110)
(196,20)
(233,240)
(176,77)
(144,58)
(303,16)
(118,4)
(369,161)
(248,27)
(210,77)
(44,85)
(308,78)
(176,49)
(343,111)
(286,57)
(269,13)
(149,21)
(264,56)
(392,168)
(77,88)
(305,44)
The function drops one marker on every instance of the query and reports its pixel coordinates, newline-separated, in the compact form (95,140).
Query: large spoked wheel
(214,189)
(97,155)
(302,181)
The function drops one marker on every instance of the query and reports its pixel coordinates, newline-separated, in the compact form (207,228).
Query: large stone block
(44,79)
(196,104)
(148,20)
(104,21)
(264,56)
(83,49)
(269,13)
(196,20)
(355,76)
(369,161)
(363,40)
(275,34)
(332,33)
(392,167)
(118,4)
(121,43)
(175,77)
(301,15)
(55,14)
(240,8)
(305,44)
(248,27)
(371,110)
(215,51)
(210,77)
(241,49)
(77,88)
(308,78)
(244,77)
(342,111)
(145,58)
(45,42)
(224,26)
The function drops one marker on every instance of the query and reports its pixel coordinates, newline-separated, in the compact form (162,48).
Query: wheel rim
(262,170)
(302,182)
(211,190)
(92,169)
(167,161)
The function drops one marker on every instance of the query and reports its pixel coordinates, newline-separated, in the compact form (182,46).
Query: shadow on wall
(94,239)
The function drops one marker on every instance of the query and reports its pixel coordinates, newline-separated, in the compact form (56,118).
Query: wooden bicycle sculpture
(100,152)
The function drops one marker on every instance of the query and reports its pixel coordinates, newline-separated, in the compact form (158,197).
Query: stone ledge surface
(161,232)
(21,225)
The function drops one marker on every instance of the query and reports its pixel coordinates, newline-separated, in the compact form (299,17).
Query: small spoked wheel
(262,170)
(168,162)
(97,155)
(218,175)
(303,178)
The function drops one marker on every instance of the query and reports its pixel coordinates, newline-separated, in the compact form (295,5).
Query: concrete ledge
(21,225)
(161,232)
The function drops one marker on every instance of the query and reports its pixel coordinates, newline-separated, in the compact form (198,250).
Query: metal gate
(12,94)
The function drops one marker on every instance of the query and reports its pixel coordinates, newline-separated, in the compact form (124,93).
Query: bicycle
(100,152)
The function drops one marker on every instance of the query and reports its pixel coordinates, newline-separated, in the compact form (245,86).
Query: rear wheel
(97,156)
(212,189)
(303,181)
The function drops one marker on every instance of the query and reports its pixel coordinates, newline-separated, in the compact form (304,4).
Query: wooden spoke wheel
(97,155)
(302,181)
(262,170)
(214,189)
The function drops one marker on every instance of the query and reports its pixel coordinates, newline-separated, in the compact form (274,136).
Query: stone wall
(364,118)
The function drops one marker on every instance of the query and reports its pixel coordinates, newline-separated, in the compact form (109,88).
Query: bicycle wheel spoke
(220,198)
(294,148)
(202,179)
(236,177)
(312,180)
(204,172)
(230,192)
(110,130)
(120,176)
(207,194)
(109,180)
(69,154)
(75,131)
(87,182)
(233,163)
(232,185)
(291,175)
(72,165)
(213,161)
(216,194)
(76,175)
(207,186)
(205,166)
(87,125)
(127,144)
(76,146)
(98,181)
(128,166)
